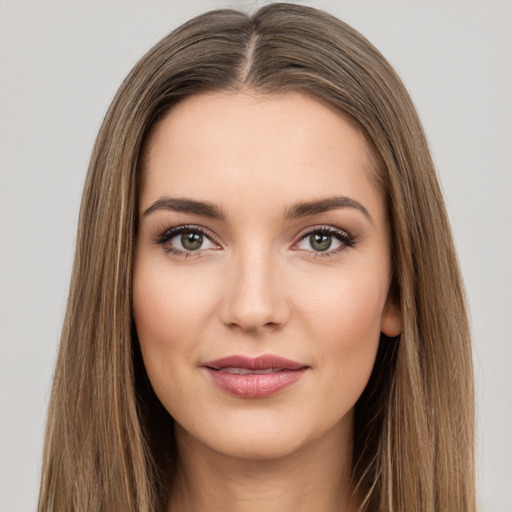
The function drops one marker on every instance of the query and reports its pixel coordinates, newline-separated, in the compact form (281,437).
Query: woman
(266,310)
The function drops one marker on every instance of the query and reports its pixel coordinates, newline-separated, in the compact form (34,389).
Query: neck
(315,477)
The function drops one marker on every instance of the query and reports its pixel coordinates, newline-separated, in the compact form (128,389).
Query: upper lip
(263,362)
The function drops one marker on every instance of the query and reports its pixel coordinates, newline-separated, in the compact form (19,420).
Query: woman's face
(262,271)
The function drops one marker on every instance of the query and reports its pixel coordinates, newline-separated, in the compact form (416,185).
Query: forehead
(245,147)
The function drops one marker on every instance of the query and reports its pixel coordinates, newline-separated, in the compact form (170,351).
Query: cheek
(168,307)
(353,336)
(170,314)
(342,320)
(346,306)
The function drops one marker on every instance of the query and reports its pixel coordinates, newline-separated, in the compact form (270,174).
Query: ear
(391,322)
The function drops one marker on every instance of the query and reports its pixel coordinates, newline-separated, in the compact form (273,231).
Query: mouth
(258,377)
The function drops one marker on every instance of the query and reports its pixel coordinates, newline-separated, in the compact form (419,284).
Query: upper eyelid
(347,240)
(190,227)
(323,227)
(173,231)
(169,233)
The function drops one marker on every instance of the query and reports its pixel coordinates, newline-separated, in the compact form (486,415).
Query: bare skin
(224,483)
(261,235)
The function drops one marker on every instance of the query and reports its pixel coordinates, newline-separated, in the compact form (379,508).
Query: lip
(254,377)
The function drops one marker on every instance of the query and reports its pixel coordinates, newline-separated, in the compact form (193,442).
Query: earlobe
(391,323)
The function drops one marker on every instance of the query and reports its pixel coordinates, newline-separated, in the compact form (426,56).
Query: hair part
(109,443)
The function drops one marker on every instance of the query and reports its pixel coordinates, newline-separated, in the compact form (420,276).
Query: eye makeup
(192,240)
(323,241)
(187,240)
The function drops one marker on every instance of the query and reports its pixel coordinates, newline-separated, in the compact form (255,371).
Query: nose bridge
(254,298)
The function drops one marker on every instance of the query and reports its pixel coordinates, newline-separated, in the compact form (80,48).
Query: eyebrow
(324,205)
(203,208)
(297,210)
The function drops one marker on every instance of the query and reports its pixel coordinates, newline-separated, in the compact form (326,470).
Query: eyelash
(346,240)
(164,240)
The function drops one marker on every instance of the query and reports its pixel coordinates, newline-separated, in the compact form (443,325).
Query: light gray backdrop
(60,64)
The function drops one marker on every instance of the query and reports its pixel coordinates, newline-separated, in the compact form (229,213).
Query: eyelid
(164,237)
(344,237)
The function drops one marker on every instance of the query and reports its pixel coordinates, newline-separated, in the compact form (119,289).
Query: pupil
(320,242)
(191,241)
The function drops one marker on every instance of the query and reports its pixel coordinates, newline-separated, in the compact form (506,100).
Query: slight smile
(258,377)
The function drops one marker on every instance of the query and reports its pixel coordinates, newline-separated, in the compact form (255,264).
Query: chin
(263,446)
(261,437)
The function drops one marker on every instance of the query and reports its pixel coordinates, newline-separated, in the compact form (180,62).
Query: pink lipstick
(258,377)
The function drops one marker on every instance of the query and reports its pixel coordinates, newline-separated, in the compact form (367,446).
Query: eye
(185,240)
(325,239)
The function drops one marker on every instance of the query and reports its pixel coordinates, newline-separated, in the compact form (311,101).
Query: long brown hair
(109,443)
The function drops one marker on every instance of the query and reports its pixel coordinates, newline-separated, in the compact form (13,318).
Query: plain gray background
(60,65)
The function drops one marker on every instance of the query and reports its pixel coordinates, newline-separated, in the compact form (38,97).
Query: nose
(254,293)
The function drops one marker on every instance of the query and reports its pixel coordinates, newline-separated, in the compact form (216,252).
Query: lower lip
(254,385)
